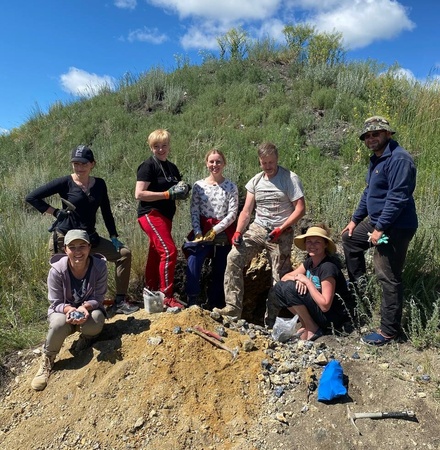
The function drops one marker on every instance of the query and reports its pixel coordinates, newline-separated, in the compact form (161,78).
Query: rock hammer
(352,416)
(233,352)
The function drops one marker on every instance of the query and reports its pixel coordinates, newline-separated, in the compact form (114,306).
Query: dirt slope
(148,384)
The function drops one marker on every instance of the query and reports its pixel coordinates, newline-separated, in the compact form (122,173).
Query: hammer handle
(385,415)
(209,333)
(212,340)
(399,414)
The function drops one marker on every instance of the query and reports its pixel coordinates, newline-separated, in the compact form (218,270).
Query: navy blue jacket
(388,198)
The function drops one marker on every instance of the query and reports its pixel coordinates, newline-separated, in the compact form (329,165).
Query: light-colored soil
(132,391)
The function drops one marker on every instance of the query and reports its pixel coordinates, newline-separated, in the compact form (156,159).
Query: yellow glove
(210,235)
(199,237)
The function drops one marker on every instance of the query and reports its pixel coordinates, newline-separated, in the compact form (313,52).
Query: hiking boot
(40,380)
(228,310)
(171,302)
(125,308)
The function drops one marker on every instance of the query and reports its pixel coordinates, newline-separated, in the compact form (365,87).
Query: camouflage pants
(254,241)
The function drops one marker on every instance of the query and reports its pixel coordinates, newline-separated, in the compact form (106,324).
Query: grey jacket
(60,289)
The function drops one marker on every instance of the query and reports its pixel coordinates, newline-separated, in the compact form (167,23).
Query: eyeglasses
(374,134)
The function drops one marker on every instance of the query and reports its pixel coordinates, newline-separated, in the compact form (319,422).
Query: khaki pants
(254,241)
(59,329)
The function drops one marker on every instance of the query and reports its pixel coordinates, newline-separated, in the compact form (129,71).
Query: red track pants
(162,253)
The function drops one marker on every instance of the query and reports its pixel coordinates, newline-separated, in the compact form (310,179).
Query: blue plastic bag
(331,384)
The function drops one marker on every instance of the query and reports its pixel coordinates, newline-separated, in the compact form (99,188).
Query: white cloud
(404,73)
(221,11)
(81,83)
(3,131)
(272,28)
(149,35)
(125,4)
(203,36)
(362,22)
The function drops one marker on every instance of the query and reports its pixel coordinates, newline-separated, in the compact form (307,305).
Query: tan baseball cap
(73,235)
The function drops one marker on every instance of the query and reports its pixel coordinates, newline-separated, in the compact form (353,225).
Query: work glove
(179,191)
(117,243)
(198,237)
(382,240)
(60,214)
(237,239)
(274,235)
(210,235)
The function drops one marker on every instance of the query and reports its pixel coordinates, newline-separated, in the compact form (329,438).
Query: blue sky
(58,50)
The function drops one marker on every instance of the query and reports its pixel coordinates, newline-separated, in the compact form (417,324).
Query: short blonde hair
(214,151)
(160,135)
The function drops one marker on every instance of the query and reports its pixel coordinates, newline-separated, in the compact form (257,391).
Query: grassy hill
(302,96)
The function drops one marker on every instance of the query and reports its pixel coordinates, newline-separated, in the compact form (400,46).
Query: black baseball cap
(82,154)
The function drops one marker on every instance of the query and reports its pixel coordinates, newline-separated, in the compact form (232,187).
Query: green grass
(313,112)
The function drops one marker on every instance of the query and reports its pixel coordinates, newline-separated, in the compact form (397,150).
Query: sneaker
(125,308)
(171,302)
(377,338)
(228,310)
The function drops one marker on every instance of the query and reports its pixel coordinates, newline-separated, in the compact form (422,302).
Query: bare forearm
(298,213)
(149,196)
(242,222)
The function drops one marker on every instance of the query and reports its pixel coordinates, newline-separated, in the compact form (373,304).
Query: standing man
(277,196)
(388,203)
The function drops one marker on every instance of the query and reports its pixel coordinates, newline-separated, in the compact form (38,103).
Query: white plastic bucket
(153,301)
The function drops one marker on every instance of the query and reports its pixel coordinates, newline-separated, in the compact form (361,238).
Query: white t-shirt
(214,201)
(274,198)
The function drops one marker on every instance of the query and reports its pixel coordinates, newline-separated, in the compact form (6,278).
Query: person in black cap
(87,194)
(385,218)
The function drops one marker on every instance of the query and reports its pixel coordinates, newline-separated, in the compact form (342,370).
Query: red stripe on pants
(162,253)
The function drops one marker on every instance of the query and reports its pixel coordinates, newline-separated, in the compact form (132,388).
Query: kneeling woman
(77,283)
(316,290)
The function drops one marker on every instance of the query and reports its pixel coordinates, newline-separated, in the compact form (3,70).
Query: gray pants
(59,329)
(254,241)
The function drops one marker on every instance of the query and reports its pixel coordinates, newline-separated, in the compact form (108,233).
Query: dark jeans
(389,260)
(196,256)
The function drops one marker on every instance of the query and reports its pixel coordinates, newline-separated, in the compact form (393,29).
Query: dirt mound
(148,383)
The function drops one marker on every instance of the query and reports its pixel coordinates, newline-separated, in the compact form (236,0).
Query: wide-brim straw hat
(300,241)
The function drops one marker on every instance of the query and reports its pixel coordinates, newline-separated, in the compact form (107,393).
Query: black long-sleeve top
(87,205)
